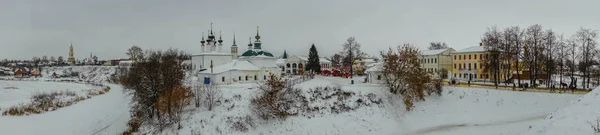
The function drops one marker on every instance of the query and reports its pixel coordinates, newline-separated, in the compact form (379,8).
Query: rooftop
(472,49)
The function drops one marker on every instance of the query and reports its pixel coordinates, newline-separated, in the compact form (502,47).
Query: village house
(434,60)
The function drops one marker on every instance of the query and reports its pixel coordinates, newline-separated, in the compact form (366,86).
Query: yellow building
(467,64)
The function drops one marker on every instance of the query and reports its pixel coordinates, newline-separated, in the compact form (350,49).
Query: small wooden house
(36,73)
(19,73)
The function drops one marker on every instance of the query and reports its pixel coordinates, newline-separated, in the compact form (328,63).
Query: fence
(294,81)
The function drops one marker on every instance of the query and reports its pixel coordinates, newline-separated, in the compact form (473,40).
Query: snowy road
(104,114)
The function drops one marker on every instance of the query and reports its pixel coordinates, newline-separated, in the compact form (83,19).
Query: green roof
(257,53)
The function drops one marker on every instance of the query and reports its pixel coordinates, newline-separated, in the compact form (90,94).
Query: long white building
(253,65)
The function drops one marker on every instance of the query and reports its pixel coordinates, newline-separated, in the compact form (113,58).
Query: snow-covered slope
(460,111)
(95,74)
(572,120)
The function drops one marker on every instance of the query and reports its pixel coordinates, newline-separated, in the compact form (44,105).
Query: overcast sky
(107,28)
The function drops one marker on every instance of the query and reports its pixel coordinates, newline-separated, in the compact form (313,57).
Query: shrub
(43,102)
(595,125)
(435,87)
(272,101)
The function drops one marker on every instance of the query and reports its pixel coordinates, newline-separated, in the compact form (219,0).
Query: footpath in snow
(103,114)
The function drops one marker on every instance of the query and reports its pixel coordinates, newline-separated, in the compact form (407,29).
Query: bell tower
(234,48)
(71,58)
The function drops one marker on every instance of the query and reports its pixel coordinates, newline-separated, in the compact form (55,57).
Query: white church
(220,67)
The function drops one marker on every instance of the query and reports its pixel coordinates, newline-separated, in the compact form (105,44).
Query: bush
(44,102)
(435,87)
(272,101)
(595,125)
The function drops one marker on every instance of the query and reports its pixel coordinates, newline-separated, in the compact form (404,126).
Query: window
(480,75)
(464,65)
(475,76)
(454,65)
(475,65)
(378,77)
(255,78)
(246,78)
(480,65)
(459,57)
(469,56)
(460,75)
(469,66)
(222,79)
(454,57)
(240,78)
(454,75)
(265,77)
(459,66)
(435,60)
(435,69)
(480,56)
(475,56)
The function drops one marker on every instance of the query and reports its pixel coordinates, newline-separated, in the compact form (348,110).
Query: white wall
(373,78)
(203,60)
(239,76)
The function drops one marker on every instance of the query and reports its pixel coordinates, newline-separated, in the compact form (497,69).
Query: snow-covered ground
(105,114)
(461,111)
(572,120)
(17,92)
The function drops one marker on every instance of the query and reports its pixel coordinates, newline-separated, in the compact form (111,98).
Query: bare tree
(60,60)
(135,53)
(514,38)
(561,55)
(571,63)
(534,39)
(550,42)
(437,45)
(44,58)
(493,41)
(156,85)
(211,94)
(52,59)
(587,40)
(351,51)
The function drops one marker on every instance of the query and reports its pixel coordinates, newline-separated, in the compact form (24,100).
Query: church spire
(257,35)
(220,37)
(202,39)
(234,39)
(249,43)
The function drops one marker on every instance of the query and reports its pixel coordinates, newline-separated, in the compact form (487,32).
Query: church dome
(251,53)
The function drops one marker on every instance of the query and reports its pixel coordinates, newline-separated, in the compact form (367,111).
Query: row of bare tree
(540,52)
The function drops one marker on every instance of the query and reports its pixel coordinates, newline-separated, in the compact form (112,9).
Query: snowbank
(572,120)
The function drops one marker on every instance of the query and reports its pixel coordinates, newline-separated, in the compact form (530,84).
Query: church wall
(203,61)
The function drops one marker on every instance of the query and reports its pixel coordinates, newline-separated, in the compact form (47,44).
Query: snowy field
(460,111)
(105,114)
(16,92)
